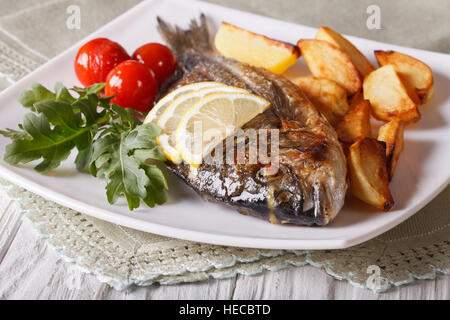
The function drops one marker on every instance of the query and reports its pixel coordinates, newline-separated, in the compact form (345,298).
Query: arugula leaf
(114,158)
(110,140)
(15,134)
(37,93)
(62,94)
(83,158)
(45,143)
(54,132)
(156,187)
(93,89)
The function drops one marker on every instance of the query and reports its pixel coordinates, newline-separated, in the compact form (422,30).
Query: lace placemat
(417,249)
(121,257)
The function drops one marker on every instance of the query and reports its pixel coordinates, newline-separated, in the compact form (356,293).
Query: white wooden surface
(31,269)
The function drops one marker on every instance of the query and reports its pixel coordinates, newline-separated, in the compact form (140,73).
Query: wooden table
(31,269)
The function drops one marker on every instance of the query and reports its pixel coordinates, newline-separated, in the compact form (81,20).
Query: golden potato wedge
(329,97)
(369,180)
(356,99)
(355,125)
(325,60)
(413,72)
(359,60)
(388,96)
(346,147)
(392,134)
(255,49)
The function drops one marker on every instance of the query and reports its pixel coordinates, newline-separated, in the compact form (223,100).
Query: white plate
(423,170)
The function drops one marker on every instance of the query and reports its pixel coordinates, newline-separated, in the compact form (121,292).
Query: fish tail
(195,37)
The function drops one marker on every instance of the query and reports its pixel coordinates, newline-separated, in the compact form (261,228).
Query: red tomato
(96,59)
(133,84)
(157,57)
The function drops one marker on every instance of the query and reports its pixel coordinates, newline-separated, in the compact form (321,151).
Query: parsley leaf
(110,141)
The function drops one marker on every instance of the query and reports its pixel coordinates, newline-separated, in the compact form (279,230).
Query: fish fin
(195,37)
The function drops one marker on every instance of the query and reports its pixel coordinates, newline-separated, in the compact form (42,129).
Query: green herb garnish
(111,142)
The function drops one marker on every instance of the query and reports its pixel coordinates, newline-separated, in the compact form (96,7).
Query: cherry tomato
(96,59)
(157,57)
(133,84)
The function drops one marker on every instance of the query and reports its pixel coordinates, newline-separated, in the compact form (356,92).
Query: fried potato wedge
(329,97)
(325,60)
(356,99)
(413,72)
(388,96)
(255,49)
(359,60)
(369,179)
(355,125)
(392,134)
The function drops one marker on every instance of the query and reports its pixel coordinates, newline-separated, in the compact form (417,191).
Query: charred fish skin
(310,184)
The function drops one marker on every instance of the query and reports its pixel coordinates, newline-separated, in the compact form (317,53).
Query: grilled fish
(309,186)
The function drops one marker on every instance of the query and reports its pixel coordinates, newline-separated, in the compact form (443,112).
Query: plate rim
(216,239)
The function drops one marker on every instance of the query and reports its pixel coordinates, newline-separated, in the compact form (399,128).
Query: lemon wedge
(159,108)
(171,117)
(212,119)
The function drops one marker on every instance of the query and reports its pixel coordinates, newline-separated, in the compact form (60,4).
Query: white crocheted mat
(123,257)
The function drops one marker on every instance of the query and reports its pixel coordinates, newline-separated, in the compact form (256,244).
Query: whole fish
(309,185)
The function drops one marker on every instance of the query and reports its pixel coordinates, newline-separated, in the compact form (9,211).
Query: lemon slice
(211,120)
(173,114)
(159,108)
